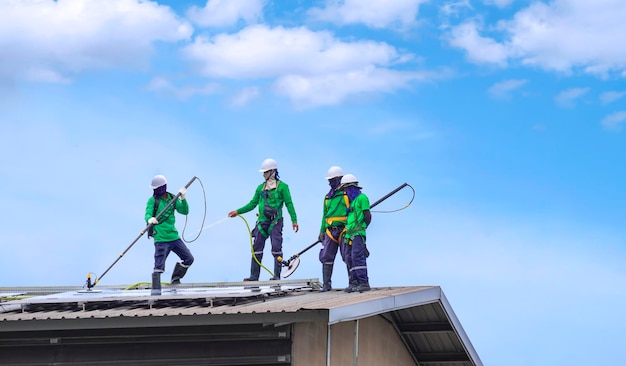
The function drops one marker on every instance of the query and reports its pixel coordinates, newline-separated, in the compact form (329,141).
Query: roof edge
(458,329)
(369,308)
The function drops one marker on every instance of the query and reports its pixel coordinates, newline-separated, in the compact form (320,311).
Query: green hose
(252,246)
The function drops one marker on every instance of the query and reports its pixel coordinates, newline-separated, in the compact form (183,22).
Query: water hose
(252,246)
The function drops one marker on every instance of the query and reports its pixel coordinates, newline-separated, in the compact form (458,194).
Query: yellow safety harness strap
(330,235)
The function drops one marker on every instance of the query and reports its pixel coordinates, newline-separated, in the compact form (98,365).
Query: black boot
(277,268)
(255,269)
(179,272)
(327,272)
(156,284)
(352,282)
(352,286)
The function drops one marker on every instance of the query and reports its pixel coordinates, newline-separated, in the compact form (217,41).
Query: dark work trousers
(330,247)
(276,238)
(356,260)
(163,249)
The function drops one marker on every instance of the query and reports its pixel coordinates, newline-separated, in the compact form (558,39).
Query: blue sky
(506,117)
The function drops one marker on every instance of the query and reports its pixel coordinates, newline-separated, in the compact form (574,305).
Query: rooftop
(421,314)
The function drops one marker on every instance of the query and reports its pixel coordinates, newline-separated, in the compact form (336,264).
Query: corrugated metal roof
(421,314)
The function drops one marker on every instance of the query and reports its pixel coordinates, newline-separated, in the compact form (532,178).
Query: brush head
(291,267)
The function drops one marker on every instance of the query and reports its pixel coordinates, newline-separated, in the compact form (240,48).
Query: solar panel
(180,295)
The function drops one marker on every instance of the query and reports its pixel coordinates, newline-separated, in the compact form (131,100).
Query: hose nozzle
(89,284)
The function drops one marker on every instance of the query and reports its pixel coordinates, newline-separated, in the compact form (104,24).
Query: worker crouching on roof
(166,238)
(359,218)
(333,226)
(270,196)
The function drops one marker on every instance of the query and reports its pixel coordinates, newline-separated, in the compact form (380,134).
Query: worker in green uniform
(359,218)
(270,197)
(166,238)
(333,225)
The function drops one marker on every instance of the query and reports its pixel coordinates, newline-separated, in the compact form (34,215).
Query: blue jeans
(163,249)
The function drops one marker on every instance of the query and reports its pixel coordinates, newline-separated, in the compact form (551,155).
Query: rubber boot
(362,287)
(352,282)
(327,272)
(351,287)
(255,269)
(277,268)
(178,273)
(156,284)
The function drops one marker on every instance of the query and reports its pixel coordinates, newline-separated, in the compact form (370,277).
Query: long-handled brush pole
(145,230)
(288,262)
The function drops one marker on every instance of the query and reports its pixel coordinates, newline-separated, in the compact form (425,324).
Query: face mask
(352,192)
(334,183)
(270,180)
(160,190)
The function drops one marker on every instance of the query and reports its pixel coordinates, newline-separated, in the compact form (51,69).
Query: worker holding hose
(270,196)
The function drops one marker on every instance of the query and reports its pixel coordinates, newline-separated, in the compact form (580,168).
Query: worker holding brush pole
(359,218)
(163,229)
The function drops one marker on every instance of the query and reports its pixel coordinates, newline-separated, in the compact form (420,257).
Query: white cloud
(479,49)
(503,89)
(611,96)
(218,13)
(373,13)
(453,8)
(568,97)
(164,86)
(565,34)
(335,88)
(614,121)
(259,52)
(51,41)
(311,68)
(245,96)
(562,35)
(499,3)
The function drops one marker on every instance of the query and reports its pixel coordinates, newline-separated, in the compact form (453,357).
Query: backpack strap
(156,206)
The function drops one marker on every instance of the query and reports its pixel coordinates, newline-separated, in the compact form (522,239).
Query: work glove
(183,192)
(152,221)
(321,236)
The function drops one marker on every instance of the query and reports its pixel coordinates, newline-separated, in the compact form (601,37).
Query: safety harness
(269,212)
(331,220)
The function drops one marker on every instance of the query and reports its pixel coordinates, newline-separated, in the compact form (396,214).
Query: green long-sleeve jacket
(276,198)
(334,213)
(165,230)
(356,219)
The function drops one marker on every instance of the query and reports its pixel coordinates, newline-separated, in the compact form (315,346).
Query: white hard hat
(349,179)
(158,181)
(268,164)
(334,172)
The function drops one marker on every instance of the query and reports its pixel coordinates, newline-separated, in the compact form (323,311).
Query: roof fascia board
(383,305)
(320,315)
